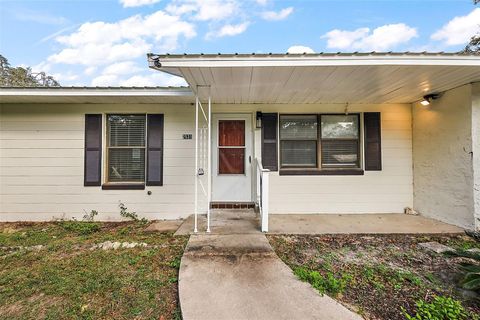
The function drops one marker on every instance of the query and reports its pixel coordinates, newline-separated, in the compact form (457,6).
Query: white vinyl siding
(41,165)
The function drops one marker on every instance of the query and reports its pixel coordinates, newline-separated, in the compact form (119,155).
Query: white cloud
(100,43)
(154,79)
(90,70)
(105,80)
(379,39)
(459,30)
(204,10)
(300,49)
(275,16)
(121,68)
(262,2)
(137,3)
(139,80)
(228,30)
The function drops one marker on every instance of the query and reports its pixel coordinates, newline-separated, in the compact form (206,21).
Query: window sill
(123,186)
(321,172)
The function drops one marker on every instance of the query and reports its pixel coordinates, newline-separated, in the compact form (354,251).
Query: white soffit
(138,95)
(322,78)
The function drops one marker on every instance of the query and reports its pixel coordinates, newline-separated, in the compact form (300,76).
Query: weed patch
(80,227)
(383,276)
(327,283)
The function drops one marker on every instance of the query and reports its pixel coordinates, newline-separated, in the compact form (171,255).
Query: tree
(23,77)
(473,47)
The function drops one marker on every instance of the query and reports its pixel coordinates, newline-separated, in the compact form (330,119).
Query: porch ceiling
(321,78)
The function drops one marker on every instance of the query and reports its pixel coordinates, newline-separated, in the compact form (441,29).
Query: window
(336,144)
(340,141)
(126,147)
(231,147)
(298,140)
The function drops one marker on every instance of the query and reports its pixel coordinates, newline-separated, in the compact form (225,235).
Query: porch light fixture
(428,98)
(258,122)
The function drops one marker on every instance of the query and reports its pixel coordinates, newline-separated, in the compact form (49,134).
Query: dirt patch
(383,273)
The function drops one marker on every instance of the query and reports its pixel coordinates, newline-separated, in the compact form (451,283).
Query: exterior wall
(386,191)
(442,145)
(476,151)
(41,166)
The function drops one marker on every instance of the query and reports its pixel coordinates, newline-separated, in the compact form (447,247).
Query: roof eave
(172,64)
(97,92)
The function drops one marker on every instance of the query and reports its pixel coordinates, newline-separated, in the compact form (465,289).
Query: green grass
(67,280)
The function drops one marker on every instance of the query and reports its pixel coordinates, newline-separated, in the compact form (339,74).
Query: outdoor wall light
(428,98)
(258,122)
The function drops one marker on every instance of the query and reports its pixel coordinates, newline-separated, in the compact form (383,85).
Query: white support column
(195,229)
(209,160)
(265,187)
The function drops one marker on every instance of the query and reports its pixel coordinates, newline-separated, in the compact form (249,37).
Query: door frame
(247,116)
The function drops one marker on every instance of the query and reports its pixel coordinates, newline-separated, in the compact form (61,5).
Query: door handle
(249,159)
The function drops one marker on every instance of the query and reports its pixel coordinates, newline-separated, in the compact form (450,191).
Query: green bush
(80,227)
(130,215)
(470,271)
(441,308)
(324,284)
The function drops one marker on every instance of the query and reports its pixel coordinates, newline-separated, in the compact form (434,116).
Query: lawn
(381,276)
(53,271)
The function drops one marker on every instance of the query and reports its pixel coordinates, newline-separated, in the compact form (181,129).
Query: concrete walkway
(246,222)
(240,277)
(357,224)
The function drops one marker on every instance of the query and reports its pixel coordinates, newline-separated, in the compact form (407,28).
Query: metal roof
(96,95)
(317,54)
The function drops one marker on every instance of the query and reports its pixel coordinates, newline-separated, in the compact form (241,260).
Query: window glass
(298,153)
(126,130)
(298,127)
(126,148)
(298,140)
(340,141)
(340,126)
(231,147)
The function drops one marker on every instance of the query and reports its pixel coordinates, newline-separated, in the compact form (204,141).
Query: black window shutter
(155,150)
(269,141)
(93,150)
(373,144)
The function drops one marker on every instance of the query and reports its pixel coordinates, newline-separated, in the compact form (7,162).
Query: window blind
(126,148)
(340,140)
(298,127)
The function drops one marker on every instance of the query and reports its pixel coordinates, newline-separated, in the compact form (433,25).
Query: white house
(333,133)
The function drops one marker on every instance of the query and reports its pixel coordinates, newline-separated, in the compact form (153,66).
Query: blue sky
(105,42)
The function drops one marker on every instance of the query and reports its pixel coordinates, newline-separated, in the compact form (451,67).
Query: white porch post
(195,229)
(203,161)
(209,160)
(264,199)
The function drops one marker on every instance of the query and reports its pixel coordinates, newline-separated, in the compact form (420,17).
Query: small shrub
(130,215)
(175,263)
(470,271)
(324,284)
(89,217)
(80,227)
(441,308)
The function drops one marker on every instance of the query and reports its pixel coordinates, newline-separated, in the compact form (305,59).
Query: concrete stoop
(241,277)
